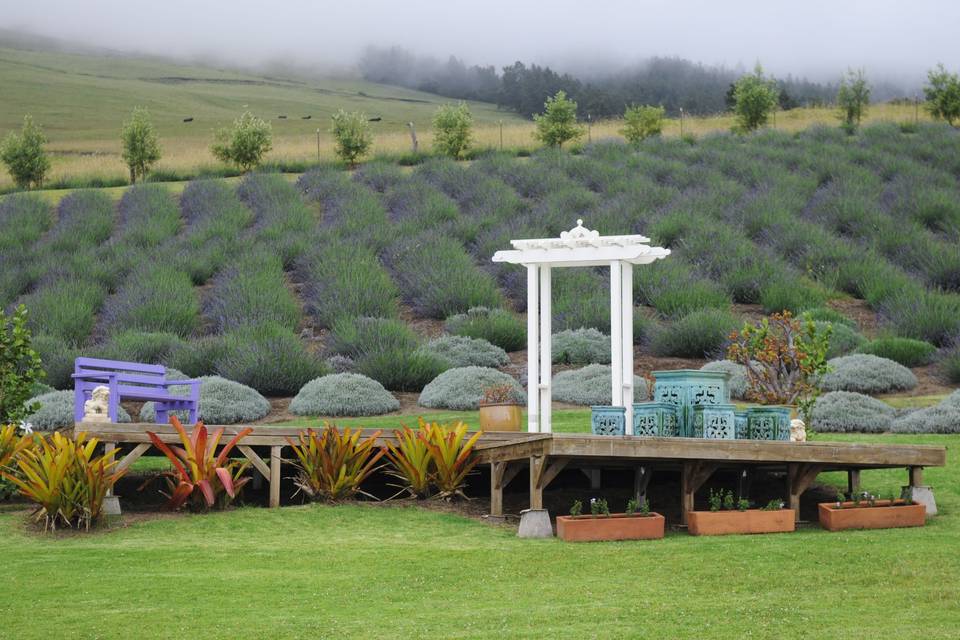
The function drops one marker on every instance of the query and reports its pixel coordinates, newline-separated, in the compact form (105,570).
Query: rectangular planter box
(719,523)
(616,526)
(882,516)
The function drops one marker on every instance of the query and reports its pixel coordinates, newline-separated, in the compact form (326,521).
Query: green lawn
(363,571)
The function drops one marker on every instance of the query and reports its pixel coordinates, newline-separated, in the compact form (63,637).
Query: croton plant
(785,357)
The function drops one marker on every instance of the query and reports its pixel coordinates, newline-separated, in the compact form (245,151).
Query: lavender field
(265,282)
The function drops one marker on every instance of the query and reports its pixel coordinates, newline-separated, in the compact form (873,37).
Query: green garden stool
(768,423)
(608,421)
(714,422)
(688,388)
(658,419)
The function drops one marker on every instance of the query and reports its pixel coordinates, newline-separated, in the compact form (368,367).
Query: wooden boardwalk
(544,456)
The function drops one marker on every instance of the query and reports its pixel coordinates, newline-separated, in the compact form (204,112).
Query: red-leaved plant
(200,474)
(784,357)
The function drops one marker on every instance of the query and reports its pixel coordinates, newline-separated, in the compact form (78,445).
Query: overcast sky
(818,38)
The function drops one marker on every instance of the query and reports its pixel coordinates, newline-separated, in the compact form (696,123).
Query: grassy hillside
(259,279)
(81,100)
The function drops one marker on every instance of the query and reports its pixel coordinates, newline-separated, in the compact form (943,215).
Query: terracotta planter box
(616,526)
(500,417)
(719,523)
(882,515)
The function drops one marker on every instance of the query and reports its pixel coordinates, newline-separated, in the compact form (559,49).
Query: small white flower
(26,427)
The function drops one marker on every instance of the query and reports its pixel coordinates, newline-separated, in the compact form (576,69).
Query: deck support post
(853,482)
(593,474)
(275,462)
(692,477)
(745,482)
(542,472)
(501,473)
(107,448)
(915,476)
(919,492)
(641,480)
(800,475)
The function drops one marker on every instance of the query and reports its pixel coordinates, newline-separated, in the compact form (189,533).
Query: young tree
(141,146)
(943,94)
(352,134)
(642,122)
(245,144)
(24,155)
(452,129)
(20,367)
(755,97)
(853,98)
(558,122)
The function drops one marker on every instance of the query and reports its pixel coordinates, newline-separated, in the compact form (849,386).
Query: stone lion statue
(97,408)
(798,430)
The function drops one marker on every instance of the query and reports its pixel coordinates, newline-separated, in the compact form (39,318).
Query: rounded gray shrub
(843,411)
(343,394)
(56,412)
(591,386)
(580,346)
(737,378)
(462,351)
(866,373)
(941,418)
(222,401)
(461,389)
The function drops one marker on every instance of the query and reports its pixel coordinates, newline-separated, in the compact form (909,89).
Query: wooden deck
(544,456)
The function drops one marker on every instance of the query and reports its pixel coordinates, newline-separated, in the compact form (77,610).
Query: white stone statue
(97,408)
(798,430)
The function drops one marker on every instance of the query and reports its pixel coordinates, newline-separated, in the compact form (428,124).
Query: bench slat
(119,365)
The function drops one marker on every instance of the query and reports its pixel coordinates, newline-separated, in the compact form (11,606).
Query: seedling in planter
(632,506)
(907,496)
(715,500)
(774,505)
(599,506)
(728,501)
(743,504)
(840,499)
(872,499)
(645,507)
(577,508)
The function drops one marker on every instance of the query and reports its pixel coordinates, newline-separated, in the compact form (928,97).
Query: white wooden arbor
(579,247)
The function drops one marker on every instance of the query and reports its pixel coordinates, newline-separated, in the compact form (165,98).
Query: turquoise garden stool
(608,421)
(688,388)
(740,420)
(714,422)
(768,423)
(658,419)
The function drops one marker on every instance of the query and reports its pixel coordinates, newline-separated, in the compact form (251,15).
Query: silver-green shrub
(462,351)
(843,339)
(845,411)
(222,401)
(461,389)
(591,386)
(343,394)
(737,378)
(866,373)
(56,412)
(941,418)
(580,346)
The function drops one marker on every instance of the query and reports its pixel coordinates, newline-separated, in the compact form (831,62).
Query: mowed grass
(367,571)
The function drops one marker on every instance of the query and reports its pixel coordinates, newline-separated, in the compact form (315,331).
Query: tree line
(672,83)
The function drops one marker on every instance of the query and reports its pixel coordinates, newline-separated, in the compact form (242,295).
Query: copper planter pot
(500,416)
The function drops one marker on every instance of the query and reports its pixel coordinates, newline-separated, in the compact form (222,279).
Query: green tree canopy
(755,97)
(853,98)
(25,156)
(351,132)
(943,94)
(451,129)
(642,122)
(245,143)
(20,367)
(558,122)
(141,146)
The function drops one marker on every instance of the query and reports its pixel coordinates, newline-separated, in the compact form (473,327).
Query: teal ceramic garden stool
(658,419)
(608,421)
(768,423)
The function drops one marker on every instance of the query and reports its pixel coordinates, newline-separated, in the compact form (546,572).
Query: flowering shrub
(784,357)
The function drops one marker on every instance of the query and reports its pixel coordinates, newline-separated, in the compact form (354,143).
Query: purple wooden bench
(131,381)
